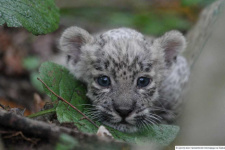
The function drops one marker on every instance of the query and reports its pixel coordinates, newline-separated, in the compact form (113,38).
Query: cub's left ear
(172,43)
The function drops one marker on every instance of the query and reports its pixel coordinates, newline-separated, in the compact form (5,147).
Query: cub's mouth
(125,121)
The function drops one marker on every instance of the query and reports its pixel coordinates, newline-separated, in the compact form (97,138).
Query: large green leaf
(37,16)
(162,134)
(63,83)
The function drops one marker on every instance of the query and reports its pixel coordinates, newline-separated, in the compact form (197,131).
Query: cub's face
(123,72)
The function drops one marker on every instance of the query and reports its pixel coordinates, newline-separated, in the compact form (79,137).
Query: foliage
(66,142)
(37,16)
(149,22)
(31,64)
(196,2)
(63,83)
(149,17)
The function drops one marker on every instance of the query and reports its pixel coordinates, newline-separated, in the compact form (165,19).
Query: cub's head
(123,72)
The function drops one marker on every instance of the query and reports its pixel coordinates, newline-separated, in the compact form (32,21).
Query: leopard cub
(132,80)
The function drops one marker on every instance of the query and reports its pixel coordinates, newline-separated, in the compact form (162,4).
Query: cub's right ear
(72,41)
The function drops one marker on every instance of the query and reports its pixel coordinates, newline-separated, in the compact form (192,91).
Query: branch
(33,127)
(200,33)
(39,129)
(59,97)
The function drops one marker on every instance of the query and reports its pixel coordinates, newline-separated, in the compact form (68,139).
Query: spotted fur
(124,55)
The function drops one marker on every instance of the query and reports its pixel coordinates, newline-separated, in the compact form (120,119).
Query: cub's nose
(123,112)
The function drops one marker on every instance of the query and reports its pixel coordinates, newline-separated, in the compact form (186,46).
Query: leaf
(37,84)
(31,63)
(63,83)
(37,16)
(66,142)
(162,134)
(196,2)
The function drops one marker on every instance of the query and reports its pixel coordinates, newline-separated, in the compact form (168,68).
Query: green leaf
(63,83)
(37,16)
(31,63)
(37,84)
(162,134)
(196,2)
(66,142)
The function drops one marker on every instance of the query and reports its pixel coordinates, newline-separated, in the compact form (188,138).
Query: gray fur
(124,55)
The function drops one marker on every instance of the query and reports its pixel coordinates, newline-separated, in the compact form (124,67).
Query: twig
(2,106)
(30,126)
(52,133)
(59,97)
(43,112)
(23,136)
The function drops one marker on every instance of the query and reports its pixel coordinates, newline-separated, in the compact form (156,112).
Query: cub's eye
(143,81)
(103,81)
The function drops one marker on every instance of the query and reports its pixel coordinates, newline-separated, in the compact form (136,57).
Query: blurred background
(203,120)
